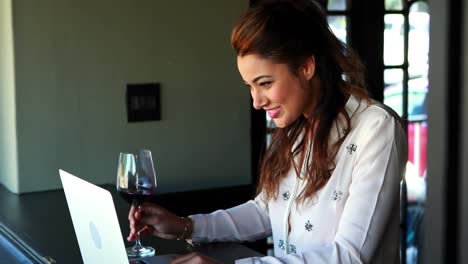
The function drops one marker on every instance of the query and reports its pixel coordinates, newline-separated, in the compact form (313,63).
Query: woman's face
(283,95)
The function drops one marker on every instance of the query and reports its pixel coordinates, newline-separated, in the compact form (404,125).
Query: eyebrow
(258,78)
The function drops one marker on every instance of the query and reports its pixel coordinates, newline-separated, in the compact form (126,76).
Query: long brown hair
(290,32)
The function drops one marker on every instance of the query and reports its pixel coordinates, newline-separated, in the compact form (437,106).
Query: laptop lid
(95,221)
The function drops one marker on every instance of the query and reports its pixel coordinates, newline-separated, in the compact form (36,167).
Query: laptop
(98,232)
(96,224)
(95,221)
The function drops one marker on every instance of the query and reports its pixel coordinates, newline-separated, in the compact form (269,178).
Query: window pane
(393,91)
(417,93)
(418,50)
(417,139)
(338,25)
(416,187)
(393,39)
(393,76)
(418,41)
(393,4)
(336,5)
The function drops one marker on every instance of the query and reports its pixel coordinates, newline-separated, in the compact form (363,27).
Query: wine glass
(136,183)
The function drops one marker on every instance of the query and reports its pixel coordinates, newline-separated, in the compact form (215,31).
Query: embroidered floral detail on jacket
(351,148)
(292,249)
(308,226)
(337,195)
(286,195)
(281,244)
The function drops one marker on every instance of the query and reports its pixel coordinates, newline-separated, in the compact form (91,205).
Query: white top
(354,218)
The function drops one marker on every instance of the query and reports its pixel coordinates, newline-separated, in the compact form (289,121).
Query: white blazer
(354,218)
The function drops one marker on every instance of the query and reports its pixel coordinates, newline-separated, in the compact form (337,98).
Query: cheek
(280,96)
(292,95)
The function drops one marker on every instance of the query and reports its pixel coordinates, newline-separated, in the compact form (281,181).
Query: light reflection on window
(338,25)
(394,44)
(334,5)
(393,5)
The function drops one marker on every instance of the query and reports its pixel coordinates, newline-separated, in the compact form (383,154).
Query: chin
(284,121)
(280,124)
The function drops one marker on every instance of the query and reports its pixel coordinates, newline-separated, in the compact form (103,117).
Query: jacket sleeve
(231,224)
(373,199)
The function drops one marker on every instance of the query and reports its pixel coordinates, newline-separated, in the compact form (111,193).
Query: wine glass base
(140,252)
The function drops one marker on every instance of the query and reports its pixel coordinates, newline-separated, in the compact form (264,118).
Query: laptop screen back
(94,220)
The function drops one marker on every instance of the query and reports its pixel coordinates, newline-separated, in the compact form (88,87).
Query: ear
(308,69)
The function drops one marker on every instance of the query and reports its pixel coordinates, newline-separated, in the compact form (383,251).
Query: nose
(259,99)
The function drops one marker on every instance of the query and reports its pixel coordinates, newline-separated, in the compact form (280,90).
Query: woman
(329,181)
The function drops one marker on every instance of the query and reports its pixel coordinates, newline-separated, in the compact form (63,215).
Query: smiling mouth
(274,113)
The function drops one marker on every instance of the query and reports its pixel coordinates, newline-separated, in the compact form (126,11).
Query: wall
(73,61)
(464,157)
(8,145)
(434,216)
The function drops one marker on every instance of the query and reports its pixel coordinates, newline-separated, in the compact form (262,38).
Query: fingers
(132,236)
(151,214)
(133,231)
(145,230)
(140,232)
(148,212)
(150,209)
(162,222)
(131,214)
(133,217)
(146,208)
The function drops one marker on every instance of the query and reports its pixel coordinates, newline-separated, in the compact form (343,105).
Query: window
(406,50)
(337,11)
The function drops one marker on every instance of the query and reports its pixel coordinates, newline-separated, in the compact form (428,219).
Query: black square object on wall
(143,102)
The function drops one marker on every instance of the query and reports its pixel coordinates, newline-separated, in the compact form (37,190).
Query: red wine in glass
(136,197)
(136,183)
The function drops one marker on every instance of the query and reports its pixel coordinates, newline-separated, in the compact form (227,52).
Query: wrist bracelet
(187,233)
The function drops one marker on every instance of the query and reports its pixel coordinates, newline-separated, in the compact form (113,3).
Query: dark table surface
(43,221)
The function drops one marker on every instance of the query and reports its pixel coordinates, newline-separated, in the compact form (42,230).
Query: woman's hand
(194,258)
(151,218)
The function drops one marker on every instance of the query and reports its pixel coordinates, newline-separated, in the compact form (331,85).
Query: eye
(265,84)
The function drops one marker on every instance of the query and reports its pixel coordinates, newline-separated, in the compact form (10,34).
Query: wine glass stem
(137,245)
